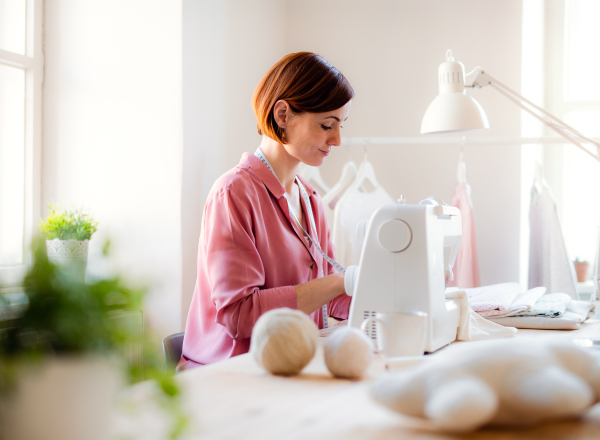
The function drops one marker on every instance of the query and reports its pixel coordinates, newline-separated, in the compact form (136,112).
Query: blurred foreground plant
(68,317)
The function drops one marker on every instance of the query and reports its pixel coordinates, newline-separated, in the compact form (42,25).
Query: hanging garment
(549,263)
(313,176)
(466,267)
(337,191)
(356,204)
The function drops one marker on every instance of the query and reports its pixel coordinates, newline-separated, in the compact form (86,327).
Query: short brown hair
(307,81)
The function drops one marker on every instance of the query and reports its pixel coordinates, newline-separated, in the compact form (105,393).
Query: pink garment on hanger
(466,268)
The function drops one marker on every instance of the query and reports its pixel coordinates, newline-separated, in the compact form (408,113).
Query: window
(559,72)
(580,106)
(21,70)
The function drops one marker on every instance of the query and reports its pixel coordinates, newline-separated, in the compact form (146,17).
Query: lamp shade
(453,110)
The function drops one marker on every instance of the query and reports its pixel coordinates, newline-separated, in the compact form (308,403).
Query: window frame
(556,158)
(33,65)
(555,66)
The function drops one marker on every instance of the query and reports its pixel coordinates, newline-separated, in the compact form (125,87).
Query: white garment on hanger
(549,262)
(313,176)
(337,191)
(356,205)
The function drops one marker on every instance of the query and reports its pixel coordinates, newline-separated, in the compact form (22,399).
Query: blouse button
(312,264)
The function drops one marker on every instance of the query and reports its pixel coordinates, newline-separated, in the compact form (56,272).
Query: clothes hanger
(313,176)
(366,173)
(538,180)
(349,172)
(461,173)
(538,173)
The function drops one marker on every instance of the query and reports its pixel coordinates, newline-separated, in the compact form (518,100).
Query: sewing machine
(405,264)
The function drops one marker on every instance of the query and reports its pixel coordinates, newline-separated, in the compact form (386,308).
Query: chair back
(172,347)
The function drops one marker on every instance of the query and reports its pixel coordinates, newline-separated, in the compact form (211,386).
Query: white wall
(113,133)
(228,45)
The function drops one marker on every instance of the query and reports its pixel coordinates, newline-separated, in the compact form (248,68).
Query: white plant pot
(66,398)
(69,253)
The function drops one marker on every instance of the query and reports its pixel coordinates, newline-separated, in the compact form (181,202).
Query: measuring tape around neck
(311,216)
(258,153)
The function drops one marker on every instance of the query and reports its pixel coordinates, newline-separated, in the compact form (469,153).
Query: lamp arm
(575,133)
(562,131)
(484,79)
(538,108)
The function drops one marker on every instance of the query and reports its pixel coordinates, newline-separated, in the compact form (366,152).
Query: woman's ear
(281,112)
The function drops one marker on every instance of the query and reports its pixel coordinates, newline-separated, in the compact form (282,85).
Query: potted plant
(67,234)
(65,358)
(581,268)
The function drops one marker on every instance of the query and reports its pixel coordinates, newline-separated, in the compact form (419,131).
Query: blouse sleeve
(234,266)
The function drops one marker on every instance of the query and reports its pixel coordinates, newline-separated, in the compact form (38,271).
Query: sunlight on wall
(532,87)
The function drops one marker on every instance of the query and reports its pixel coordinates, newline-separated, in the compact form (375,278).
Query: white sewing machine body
(408,253)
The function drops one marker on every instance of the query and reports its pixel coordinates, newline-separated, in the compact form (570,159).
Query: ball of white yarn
(348,352)
(284,341)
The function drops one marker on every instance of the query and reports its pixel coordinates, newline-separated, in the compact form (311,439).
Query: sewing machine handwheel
(350,279)
(395,235)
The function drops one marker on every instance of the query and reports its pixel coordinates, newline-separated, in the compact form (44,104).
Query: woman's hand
(318,292)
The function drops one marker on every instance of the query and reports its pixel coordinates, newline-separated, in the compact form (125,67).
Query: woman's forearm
(318,292)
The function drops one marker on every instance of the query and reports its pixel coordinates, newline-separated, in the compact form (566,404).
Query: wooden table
(236,399)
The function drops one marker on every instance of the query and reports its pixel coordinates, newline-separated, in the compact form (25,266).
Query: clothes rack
(450,141)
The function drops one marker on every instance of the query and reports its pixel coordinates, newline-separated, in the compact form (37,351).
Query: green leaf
(65,316)
(67,224)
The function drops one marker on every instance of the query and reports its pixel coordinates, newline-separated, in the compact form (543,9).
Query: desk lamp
(454,111)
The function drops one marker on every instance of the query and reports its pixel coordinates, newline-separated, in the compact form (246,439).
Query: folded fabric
(494,299)
(582,308)
(577,312)
(524,302)
(472,326)
(552,305)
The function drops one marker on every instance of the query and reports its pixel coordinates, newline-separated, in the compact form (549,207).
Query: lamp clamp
(482,80)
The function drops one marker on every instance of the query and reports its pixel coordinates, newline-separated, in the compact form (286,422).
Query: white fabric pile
(499,300)
(503,299)
(507,305)
(576,313)
(551,305)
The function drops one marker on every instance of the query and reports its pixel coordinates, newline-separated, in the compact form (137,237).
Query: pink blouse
(251,254)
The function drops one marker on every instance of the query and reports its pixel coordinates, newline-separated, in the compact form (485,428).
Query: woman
(257,248)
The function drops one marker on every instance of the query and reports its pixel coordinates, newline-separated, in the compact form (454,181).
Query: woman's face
(310,136)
